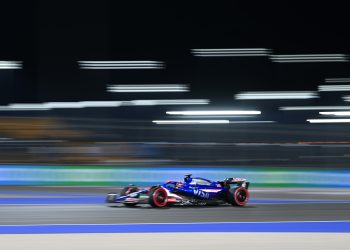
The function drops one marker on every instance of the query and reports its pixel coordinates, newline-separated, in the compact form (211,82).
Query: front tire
(158,197)
(238,196)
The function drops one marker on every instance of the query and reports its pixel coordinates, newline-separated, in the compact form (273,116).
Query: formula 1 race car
(193,191)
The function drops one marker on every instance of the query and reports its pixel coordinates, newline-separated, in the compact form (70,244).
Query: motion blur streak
(169,102)
(252,121)
(215,112)
(346,98)
(148,88)
(276,95)
(99,104)
(305,58)
(328,120)
(336,80)
(334,88)
(231,52)
(336,113)
(10,64)
(121,64)
(191,121)
(296,108)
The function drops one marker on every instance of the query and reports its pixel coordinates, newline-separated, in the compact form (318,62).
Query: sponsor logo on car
(201,194)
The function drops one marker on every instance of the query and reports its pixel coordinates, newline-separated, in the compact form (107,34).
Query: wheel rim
(241,196)
(160,197)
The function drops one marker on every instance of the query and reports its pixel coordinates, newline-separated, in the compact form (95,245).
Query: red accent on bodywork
(171,199)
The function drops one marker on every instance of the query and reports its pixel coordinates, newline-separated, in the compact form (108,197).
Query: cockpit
(200,182)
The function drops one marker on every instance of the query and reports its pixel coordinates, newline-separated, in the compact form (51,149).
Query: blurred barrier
(111,175)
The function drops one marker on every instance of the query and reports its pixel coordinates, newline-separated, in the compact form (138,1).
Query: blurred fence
(82,141)
(265,155)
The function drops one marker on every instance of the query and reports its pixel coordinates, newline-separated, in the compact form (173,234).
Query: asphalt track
(20,206)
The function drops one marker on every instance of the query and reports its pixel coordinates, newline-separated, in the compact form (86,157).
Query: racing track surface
(274,204)
(98,214)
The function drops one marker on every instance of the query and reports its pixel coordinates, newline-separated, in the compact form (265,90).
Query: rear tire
(127,190)
(238,196)
(158,197)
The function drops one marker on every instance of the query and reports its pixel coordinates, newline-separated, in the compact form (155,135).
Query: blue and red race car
(192,191)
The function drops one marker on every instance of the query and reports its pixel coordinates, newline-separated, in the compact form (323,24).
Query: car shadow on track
(147,207)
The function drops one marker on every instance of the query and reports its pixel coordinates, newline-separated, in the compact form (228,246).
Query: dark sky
(51,36)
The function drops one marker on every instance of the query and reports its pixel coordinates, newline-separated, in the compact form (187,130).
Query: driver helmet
(188,178)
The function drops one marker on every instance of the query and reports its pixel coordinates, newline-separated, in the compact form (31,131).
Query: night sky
(51,36)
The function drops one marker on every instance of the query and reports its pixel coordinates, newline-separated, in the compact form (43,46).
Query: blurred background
(226,86)
(97,95)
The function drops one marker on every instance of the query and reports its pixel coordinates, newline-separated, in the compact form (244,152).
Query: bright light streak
(336,80)
(276,95)
(153,86)
(170,102)
(99,104)
(252,121)
(328,120)
(5,108)
(26,106)
(346,98)
(230,54)
(297,108)
(207,122)
(121,64)
(119,67)
(336,113)
(11,64)
(191,121)
(334,88)
(117,64)
(236,52)
(308,55)
(232,50)
(309,61)
(309,58)
(148,88)
(63,105)
(215,112)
